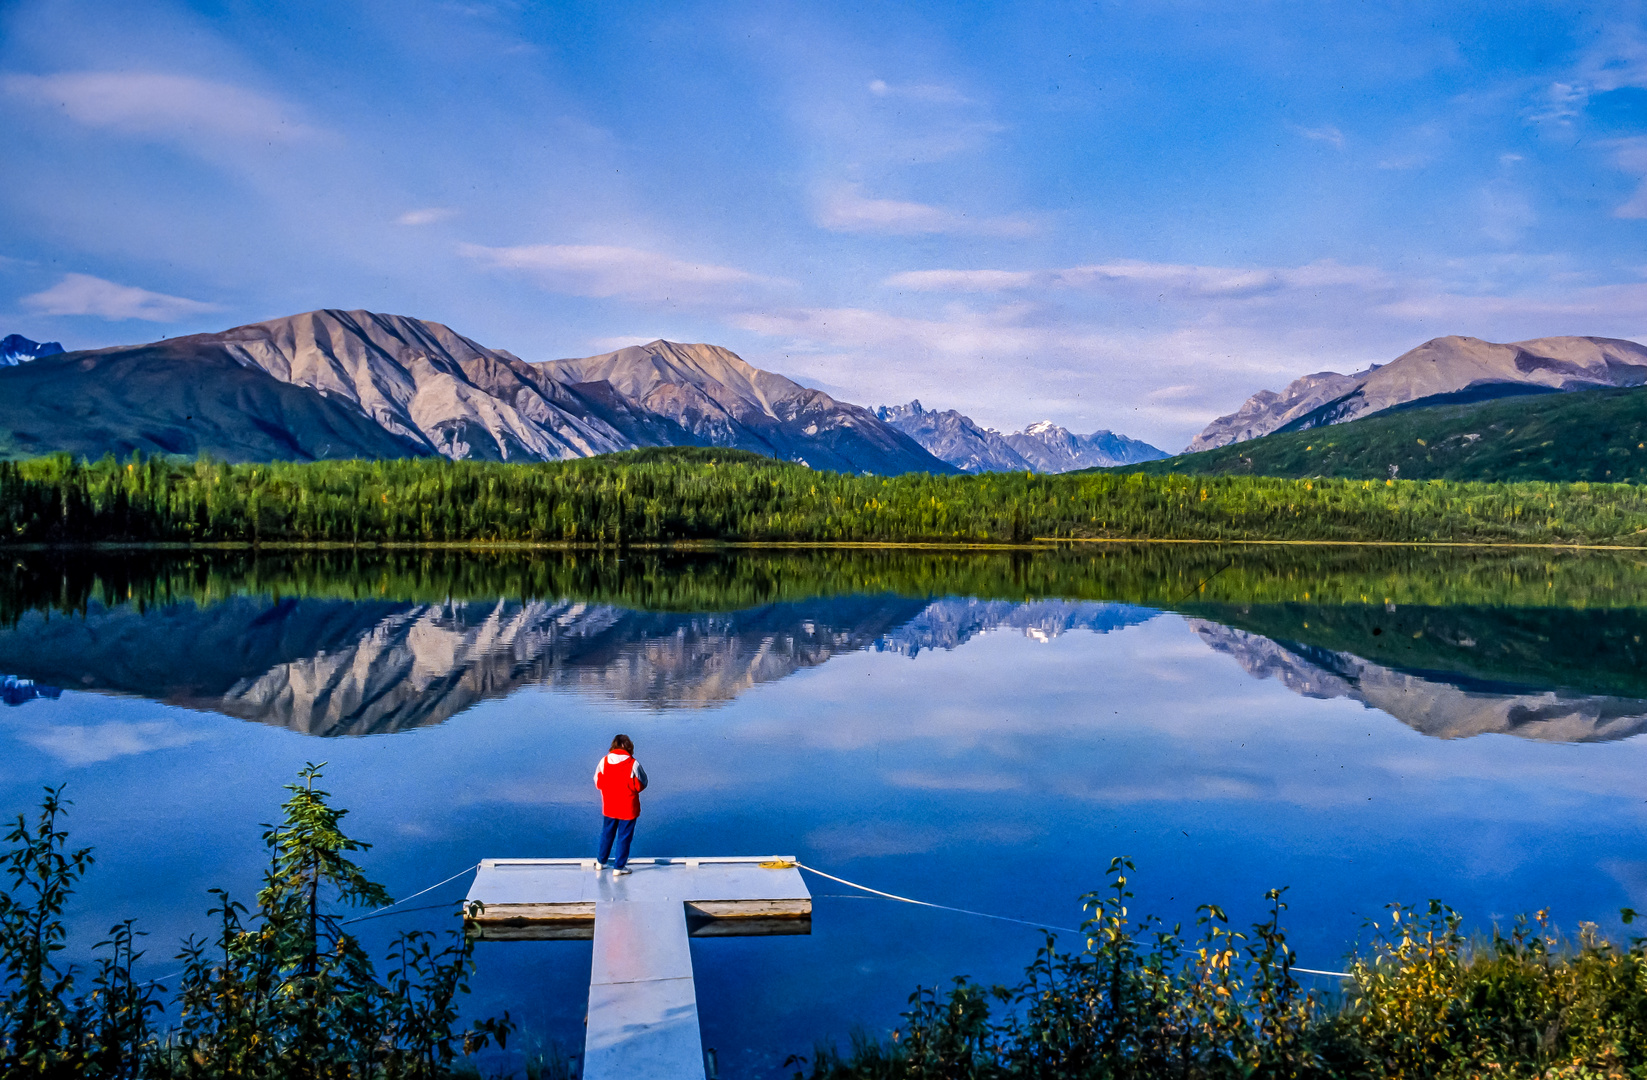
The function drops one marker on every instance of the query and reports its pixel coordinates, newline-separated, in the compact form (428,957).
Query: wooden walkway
(643,1007)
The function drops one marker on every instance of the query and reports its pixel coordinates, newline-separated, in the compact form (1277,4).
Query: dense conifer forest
(1595,435)
(689,494)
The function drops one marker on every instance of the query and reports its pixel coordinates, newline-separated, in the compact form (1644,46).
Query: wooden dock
(643,1007)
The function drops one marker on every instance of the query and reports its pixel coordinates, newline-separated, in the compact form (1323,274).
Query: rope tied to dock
(414,896)
(1005,918)
(360,918)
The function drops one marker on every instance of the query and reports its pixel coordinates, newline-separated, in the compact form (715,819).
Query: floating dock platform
(643,1005)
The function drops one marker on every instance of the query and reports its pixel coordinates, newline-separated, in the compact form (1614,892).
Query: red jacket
(620,779)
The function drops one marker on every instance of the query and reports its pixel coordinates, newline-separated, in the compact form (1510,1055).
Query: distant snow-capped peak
(16,349)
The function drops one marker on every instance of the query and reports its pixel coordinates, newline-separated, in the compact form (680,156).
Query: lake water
(980,730)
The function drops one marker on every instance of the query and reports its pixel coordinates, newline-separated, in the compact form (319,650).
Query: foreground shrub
(1144,1002)
(281,990)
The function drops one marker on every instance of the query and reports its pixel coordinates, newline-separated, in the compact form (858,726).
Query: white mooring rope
(1004,918)
(414,896)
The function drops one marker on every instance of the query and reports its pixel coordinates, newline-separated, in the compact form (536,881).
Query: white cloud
(1141,277)
(82,294)
(1157,349)
(93,743)
(847,209)
(428,215)
(1618,58)
(1326,133)
(150,103)
(1559,103)
(1002,331)
(966,280)
(626,273)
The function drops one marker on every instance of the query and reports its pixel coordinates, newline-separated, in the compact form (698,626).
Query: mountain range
(1443,371)
(355,384)
(1042,447)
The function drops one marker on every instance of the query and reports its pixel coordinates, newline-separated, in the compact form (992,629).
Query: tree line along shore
(1173,576)
(676,495)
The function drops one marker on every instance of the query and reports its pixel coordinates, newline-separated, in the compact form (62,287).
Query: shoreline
(1034,545)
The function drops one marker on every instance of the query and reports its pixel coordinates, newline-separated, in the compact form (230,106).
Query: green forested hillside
(671,495)
(1594,435)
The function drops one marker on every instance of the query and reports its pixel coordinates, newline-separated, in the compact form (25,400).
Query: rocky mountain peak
(16,349)
(1453,368)
(1042,447)
(366,384)
(892,413)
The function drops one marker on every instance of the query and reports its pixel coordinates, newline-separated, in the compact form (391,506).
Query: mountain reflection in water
(328,667)
(1429,703)
(1538,645)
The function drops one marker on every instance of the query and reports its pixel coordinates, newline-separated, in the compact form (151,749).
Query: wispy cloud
(1631,155)
(1178,279)
(1075,342)
(1559,103)
(961,281)
(1618,57)
(82,294)
(428,215)
(157,104)
(92,744)
(622,272)
(1402,162)
(848,209)
(959,333)
(936,93)
(1326,133)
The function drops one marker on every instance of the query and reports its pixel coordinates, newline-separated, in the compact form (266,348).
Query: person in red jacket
(620,779)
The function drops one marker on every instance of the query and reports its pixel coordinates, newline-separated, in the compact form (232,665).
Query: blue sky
(1123,216)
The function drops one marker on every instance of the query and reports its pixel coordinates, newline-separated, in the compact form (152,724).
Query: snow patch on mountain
(16,349)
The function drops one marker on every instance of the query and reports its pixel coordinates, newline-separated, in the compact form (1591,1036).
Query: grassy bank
(686,494)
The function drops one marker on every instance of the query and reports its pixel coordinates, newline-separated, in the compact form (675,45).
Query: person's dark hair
(624,743)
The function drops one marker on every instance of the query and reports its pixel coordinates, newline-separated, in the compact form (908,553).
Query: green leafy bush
(1145,1002)
(282,990)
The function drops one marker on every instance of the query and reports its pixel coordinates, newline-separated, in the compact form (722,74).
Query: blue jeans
(620,829)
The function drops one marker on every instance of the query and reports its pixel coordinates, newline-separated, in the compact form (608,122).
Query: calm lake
(983,730)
